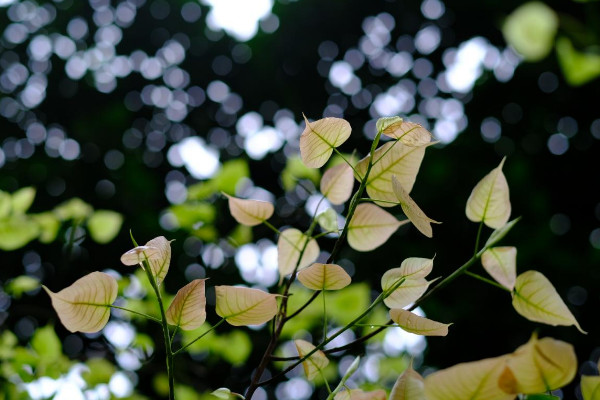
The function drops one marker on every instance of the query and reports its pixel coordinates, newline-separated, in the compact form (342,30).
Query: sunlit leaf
(250,212)
(226,394)
(371,227)
(577,67)
(16,231)
(188,308)
(324,277)
(358,394)
(98,371)
(501,264)
(319,138)
(159,263)
(46,343)
(48,225)
(295,170)
(74,208)
(245,306)
(530,30)
(337,183)
(5,204)
(85,305)
(590,387)
(393,158)
(313,364)
(290,244)
(489,201)
(415,267)
(499,233)
(408,292)
(536,299)
(413,323)
(22,199)
(138,254)
(409,133)
(328,220)
(104,225)
(409,386)
(421,221)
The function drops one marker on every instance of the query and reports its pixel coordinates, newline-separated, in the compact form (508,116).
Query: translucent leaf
(245,306)
(319,138)
(16,231)
(188,308)
(337,183)
(85,305)
(371,227)
(290,244)
(408,292)
(412,211)
(393,158)
(409,133)
(358,394)
(159,263)
(104,225)
(530,30)
(138,254)
(489,201)
(476,380)
(499,233)
(328,220)
(577,67)
(409,386)
(324,277)
(590,387)
(413,323)
(313,364)
(22,199)
(536,299)
(415,267)
(250,212)
(501,264)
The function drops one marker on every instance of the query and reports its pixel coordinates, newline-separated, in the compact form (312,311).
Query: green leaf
(328,220)
(104,225)
(22,199)
(5,204)
(230,174)
(530,30)
(48,224)
(590,387)
(75,209)
(578,67)
(21,284)
(16,231)
(46,343)
(295,170)
(191,214)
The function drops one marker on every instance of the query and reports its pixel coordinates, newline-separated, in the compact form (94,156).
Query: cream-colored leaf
(413,323)
(536,299)
(324,277)
(542,365)
(245,306)
(315,362)
(590,387)
(290,244)
(490,201)
(408,292)
(371,227)
(476,380)
(188,308)
(501,264)
(409,386)
(415,267)
(249,212)
(319,138)
(358,394)
(393,158)
(139,254)
(159,263)
(409,133)
(421,221)
(337,183)
(85,305)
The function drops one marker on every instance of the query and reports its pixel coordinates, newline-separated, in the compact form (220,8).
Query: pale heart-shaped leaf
(85,305)
(476,380)
(159,264)
(499,233)
(413,323)
(408,292)
(539,366)
(501,264)
(409,133)
(319,138)
(226,394)
(324,277)
(536,299)
(490,201)
(139,254)
(385,122)
(393,158)
(371,227)
(315,362)
(414,267)
(358,394)
(409,386)
(412,211)
(249,212)
(290,244)
(590,387)
(242,306)
(328,220)
(337,183)
(188,308)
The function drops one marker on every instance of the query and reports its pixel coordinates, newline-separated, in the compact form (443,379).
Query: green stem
(137,313)
(351,370)
(365,199)
(268,225)
(324,317)
(199,337)
(346,161)
(325,381)
(486,280)
(478,237)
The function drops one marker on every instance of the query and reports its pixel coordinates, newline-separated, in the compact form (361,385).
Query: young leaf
(290,244)
(409,386)
(324,277)
(501,264)
(413,323)
(249,212)
(393,158)
(408,292)
(22,199)
(371,227)
(313,364)
(337,183)
(590,387)
(138,254)
(320,138)
(409,133)
(159,263)
(242,306)
(85,305)
(490,201)
(358,394)
(499,233)
(421,221)
(188,308)
(415,267)
(536,299)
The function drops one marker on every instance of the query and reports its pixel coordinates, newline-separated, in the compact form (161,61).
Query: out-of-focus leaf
(74,208)
(358,394)
(371,227)
(337,183)
(22,199)
(501,264)
(16,231)
(344,305)
(577,67)
(313,364)
(230,174)
(324,277)
(48,226)
(245,306)
(46,344)
(295,170)
(99,371)
(21,284)
(104,225)
(319,138)
(240,235)
(191,214)
(289,245)
(412,211)
(409,386)
(489,201)
(541,397)
(530,30)
(188,309)
(250,212)
(5,204)
(413,323)
(328,220)
(590,387)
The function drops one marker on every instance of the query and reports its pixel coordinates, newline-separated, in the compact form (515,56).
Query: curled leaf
(290,244)
(337,183)
(490,201)
(421,221)
(324,277)
(409,133)
(315,362)
(139,254)
(249,212)
(319,138)
(188,308)
(159,263)
(242,306)
(409,386)
(413,323)
(501,264)
(371,227)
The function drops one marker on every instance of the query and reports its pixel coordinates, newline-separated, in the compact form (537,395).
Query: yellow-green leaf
(358,394)
(85,305)
(188,308)
(371,227)
(421,221)
(16,231)
(324,277)
(315,362)
(409,133)
(319,138)
(501,264)
(536,299)
(249,212)
(159,263)
(490,201)
(337,183)
(577,67)
(242,306)
(48,225)
(139,254)
(413,323)
(415,267)
(328,220)
(22,199)
(409,386)
(590,387)
(104,225)
(290,244)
